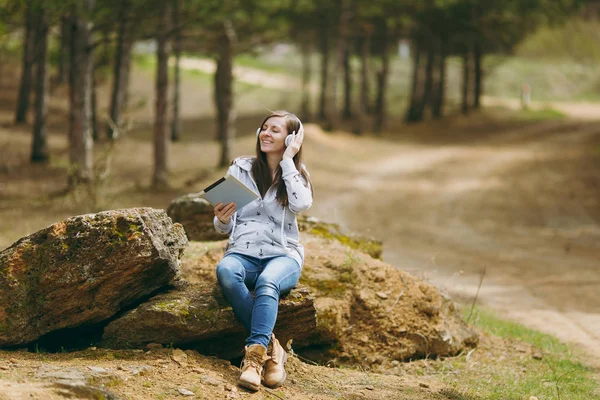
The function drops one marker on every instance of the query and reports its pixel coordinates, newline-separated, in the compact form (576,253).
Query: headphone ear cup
(288,140)
(257,132)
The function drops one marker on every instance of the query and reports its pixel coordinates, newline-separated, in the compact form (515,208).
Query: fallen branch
(274,393)
(476,294)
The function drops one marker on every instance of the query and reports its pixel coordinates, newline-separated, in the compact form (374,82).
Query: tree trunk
(331,106)
(363,99)
(412,114)
(466,82)
(440,91)
(39,147)
(94,104)
(382,82)
(80,138)
(425,101)
(27,64)
(63,56)
(478,57)
(121,59)
(127,61)
(306,73)
(161,137)
(324,48)
(347,113)
(224,93)
(176,122)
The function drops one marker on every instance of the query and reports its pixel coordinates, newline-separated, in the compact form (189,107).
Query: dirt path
(579,110)
(523,204)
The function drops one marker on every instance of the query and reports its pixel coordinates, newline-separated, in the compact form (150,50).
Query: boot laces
(254,360)
(273,351)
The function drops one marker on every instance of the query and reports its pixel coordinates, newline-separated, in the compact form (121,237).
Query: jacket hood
(244,162)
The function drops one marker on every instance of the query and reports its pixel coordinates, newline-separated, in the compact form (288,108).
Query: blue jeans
(238,274)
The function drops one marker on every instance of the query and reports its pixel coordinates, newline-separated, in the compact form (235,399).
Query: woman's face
(272,135)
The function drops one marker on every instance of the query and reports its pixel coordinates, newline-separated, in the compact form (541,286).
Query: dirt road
(523,204)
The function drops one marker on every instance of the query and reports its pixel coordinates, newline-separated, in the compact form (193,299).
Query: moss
(135,228)
(327,325)
(124,229)
(348,277)
(179,307)
(372,247)
(321,231)
(328,287)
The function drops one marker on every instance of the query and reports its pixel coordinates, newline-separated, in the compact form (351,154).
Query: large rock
(198,316)
(84,270)
(367,311)
(196,215)
(375,312)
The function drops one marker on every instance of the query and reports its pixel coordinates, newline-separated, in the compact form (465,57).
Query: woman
(263,253)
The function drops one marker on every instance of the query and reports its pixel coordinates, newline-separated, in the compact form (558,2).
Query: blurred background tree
(357,46)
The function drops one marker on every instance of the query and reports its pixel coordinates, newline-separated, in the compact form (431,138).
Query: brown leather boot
(252,366)
(274,367)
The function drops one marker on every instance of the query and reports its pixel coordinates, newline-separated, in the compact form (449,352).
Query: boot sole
(249,385)
(284,374)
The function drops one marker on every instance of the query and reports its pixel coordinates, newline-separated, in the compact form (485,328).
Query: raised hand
(294,147)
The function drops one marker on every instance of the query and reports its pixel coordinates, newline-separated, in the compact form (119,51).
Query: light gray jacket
(264,228)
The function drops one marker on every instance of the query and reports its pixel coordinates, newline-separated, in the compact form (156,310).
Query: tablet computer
(227,190)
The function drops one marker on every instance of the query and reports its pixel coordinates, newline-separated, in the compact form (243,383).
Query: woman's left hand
(294,147)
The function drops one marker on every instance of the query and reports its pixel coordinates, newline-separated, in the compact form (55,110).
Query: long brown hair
(260,168)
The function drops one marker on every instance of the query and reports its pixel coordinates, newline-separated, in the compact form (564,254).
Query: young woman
(263,253)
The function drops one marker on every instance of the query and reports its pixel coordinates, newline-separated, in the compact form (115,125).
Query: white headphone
(288,138)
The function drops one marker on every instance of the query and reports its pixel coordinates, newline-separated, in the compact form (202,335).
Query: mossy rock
(84,270)
(365,244)
(196,215)
(198,316)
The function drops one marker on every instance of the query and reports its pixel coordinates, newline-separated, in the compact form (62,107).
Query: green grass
(515,375)
(577,39)
(542,114)
(247,60)
(550,80)
(249,99)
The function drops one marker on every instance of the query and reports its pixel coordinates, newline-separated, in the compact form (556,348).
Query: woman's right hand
(224,212)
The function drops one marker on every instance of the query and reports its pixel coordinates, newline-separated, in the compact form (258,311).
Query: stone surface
(84,270)
(52,391)
(196,215)
(416,320)
(198,316)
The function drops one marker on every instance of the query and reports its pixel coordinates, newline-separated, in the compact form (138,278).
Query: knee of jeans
(265,287)
(228,274)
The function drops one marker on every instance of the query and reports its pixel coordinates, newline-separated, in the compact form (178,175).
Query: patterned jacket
(264,228)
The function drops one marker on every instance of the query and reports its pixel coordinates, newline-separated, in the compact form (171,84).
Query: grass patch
(540,115)
(328,287)
(249,99)
(247,60)
(512,372)
(577,39)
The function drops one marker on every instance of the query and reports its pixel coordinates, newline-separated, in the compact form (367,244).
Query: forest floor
(494,207)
